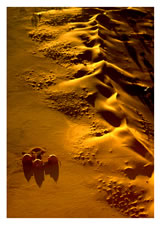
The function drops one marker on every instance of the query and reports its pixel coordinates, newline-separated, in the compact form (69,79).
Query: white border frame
(3,171)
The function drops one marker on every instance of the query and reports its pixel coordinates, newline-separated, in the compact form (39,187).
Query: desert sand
(80,85)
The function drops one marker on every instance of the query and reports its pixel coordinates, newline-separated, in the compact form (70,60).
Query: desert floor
(80,85)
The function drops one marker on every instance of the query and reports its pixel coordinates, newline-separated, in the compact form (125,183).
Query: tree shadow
(52,170)
(39,173)
(28,171)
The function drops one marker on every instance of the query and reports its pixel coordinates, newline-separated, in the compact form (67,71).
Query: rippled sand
(81,86)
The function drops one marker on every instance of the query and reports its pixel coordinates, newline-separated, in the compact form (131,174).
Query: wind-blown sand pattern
(93,68)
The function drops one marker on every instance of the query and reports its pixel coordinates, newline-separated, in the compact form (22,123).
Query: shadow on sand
(52,170)
(39,173)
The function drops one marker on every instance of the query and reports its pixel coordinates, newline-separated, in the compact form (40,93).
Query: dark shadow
(119,77)
(111,118)
(102,34)
(80,73)
(148,65)
(132,13)
(90,43)
(131,50)
(137,147)
(52,170)
(39,175)
(131,86)
(105,90)
(28,171)
(133,89)
(106,22)
(86,55)
(91,98)
(128,15)
(141,38)
(146,170)
(89,55)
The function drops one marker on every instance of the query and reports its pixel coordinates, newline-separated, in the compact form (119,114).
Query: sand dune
(103,84)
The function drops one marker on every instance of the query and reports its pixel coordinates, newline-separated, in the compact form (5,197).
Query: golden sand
(81,86)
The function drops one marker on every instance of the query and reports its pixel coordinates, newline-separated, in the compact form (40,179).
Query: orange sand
(80,85)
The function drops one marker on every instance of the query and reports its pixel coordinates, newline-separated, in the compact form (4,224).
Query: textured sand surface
(81,86)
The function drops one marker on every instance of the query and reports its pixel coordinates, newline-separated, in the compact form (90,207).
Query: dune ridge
(108,88)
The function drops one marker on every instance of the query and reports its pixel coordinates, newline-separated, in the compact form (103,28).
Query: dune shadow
(53,171)
(132,23)
(91,98)
(129,47)
(131,16)
(133,53)
(148,65)
(105,90)
(111,118)
(146,170)
(137,147)
(132,86)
